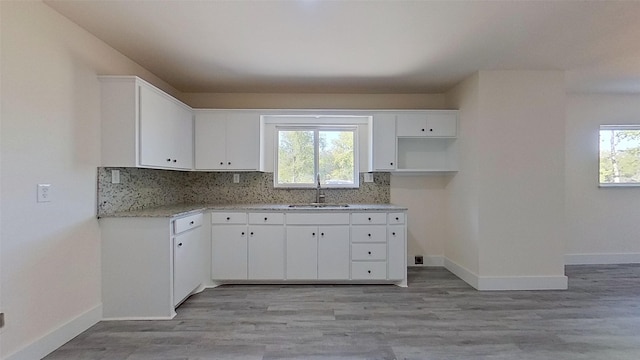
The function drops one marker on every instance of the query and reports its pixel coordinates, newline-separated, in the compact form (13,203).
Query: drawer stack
(372,258)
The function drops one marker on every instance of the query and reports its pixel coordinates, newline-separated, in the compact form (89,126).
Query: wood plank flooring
(437,317)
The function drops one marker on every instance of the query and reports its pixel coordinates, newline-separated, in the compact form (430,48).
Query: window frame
(317,128)
(614,184)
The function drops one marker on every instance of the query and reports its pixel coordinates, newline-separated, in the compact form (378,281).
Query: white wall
(521,175)
(506,205)
(50,134)
(461,246)
(601,223)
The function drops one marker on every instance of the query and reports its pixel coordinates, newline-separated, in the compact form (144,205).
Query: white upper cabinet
(166,131)
(144,127)
(432,123)
(414,141)
(426,142)
(227,140)
(382,136)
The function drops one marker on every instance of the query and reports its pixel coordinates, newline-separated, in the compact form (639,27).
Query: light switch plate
(236,178)
(368,177)
(44,192)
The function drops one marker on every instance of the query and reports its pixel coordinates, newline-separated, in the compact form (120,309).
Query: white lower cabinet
(266,252)
(229,252)
(397,253)
(146,271)
(333,253)
(318,252)
(309,246)
(187,262)
(302,252)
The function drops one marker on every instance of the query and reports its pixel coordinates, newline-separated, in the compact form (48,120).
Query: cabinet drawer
(375,233)
(228,218)
(369,218)
(369,252)
(186,223)
(396,218)
(368,270)
(266,218)
(294,218)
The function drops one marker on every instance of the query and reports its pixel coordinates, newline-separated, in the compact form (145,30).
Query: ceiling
(381,46)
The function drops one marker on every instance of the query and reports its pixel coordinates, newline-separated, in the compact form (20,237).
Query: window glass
(619,155)
(303,153)
(296,163)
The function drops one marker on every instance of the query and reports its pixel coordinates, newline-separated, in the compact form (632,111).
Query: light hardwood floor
(437,317)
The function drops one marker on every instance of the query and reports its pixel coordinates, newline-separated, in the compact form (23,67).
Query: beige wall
(313,101)
(425,197)
(50,134)
(600,222)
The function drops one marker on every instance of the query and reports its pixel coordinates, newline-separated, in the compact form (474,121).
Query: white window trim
(317,127)
(615,185)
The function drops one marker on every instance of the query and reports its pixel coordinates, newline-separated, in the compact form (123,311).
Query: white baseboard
(606,258)
(429,260)
(462,272)
(558,282)
(59,336)
(486,283)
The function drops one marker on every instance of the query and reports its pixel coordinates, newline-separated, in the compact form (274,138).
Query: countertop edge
(175,211)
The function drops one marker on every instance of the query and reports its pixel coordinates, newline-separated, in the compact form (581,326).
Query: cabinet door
(442,124)
(243,141)
(383,142)
(229,252)
(266,252)
(210,140)
(166,130)
(397,254)
(412,124)
(187,263)
(302,252)
(333,253)
(182,138)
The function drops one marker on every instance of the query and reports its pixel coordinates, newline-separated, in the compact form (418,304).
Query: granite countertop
(186,209)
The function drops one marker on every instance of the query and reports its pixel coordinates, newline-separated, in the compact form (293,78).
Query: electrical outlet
(44,192)
(115,176)
(419,260)
(236,178)
(368,177)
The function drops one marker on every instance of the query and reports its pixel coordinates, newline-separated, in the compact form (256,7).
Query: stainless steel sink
(318,205)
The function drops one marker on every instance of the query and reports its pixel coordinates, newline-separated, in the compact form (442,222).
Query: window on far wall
(620,155)
(305,151)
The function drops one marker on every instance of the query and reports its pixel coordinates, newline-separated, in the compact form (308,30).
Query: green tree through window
(328,151)
(619,154)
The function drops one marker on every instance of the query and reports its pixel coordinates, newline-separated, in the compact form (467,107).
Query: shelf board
(424,172)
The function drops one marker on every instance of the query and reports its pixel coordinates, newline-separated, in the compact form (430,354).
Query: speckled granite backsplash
(142,188)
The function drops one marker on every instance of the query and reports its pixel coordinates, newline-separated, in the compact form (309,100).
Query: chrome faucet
(319,193)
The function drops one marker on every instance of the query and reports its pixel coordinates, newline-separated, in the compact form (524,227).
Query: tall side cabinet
(142,126)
